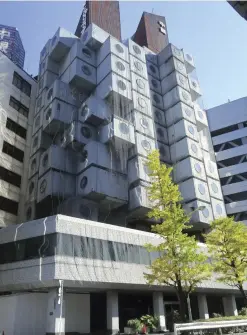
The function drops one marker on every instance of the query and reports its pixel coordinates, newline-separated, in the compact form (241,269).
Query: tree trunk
(182,302)
(241,289)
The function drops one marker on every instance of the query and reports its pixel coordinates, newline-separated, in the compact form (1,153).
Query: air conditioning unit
(194,189)
(81,75)
(144,145)
(170,51)
(136,50)
(194,89)
(143,124)
(103,186)
(78,135)
(30,211)
(205,139)
(171,65)
(58,116)
(172,80)
(138,170)
(154,84)
(115,88)
(185,148)
(48,65)
(161,134)
(60,44)
(94,37)
(210,166)
(159,116)
(189,62)
(80,51)
(112,45)
(202,217)
(218,208)
(32,187)
(113,64)
(181,129)
(98,154)
(201,117)
(39,141)
(177,94)
(164,152)
(178,112)
(215,189)
(153,70)
(140,85)
(188,168)
(57,158)
(80,208)
(37,122)
(58,184)
(138,67)
(156,99)
(139,201)
(142,104)
(118,131)
(33,167)
(95,111)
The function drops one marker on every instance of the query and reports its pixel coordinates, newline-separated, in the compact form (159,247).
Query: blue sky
(211,31)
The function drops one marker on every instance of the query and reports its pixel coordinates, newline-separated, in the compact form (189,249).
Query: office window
(22,84)
(16,128)
(10,177)
(18,106)
(8,205)
(13,151)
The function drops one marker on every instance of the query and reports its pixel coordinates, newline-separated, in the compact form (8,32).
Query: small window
(21,84)
(10,177)
(8,205)
(18,106)
(13,151)
(16,128)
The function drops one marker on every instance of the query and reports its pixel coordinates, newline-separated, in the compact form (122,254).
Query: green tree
(181,263)
(227,245)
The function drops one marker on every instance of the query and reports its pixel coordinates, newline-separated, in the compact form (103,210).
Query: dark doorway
(98,316)
(215,305)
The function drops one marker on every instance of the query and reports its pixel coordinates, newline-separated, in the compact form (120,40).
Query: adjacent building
(11,44)
(240,7)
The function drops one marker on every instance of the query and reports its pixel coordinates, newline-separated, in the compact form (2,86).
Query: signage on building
(84,19)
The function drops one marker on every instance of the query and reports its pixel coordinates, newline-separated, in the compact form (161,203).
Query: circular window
(84,156)
(120,66)
(191,130)
(201,189)
(219,209)
(37,121)
(86,132)
(33,164)
(162,151)
(119,48)
(176,51)
(43,185)
(31,188)
(136,49)
(214,188)
(85,69)
(152,68)
(48,114)
(158,115)
(85,35)
(194,84)
(194,148)
(198,167)
(181,80)
(124,128)
(154,83)
(205,212)
(144,122)
(121,85)
(29,213)
(185,95)
(146,169)
(83,182)
(140,83)
(138,66)
(142,102)
(156,98)
(160,132)
(49,94)
(85,110)
(188,112)
(146,145)
(85,211)
(211,167)
(45,160)
(86,53)
(200,114)
(35,142)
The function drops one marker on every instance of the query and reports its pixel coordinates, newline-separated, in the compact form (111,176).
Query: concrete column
(203,306)
(112,313)
(158,306)
(229,304)
(55,312)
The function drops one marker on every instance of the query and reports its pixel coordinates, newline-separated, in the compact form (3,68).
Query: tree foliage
(227,245)
(181,264)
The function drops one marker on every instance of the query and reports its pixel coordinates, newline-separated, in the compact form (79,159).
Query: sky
(212,32)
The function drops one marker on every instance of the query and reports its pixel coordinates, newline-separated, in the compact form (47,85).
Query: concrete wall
(77,313)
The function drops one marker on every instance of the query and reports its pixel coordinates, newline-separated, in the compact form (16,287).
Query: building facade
(17,102)
(228,124)
(240,7)
(11,44)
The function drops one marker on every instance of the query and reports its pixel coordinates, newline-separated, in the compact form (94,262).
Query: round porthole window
(154,83)
(185,95)
(119,48)
(35,142)
(85,211)
(83,182)
(136,49)
(156,98)
(141,102)
(85,110)
(121,85)
(181,80)
(146,169)
(211,167)
(191,130)
(120,66)
(31,188)
(86,132)
(152,68)
(48,114)
(194,84)
(49,94)
(180,65)
(194,148)
(146,145)
(140,83)
(138,66)
(214,188)
(33,164)
(124,128)
(219,209)
(29,213)
(176,51)
(45,161)
(188,112)
(201,189)
(198,167)
(205,212)
(43,185)
(200,114)
(85,69)
(144,122)
(84,156)
(160,132)
(158,115)
(86,53)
